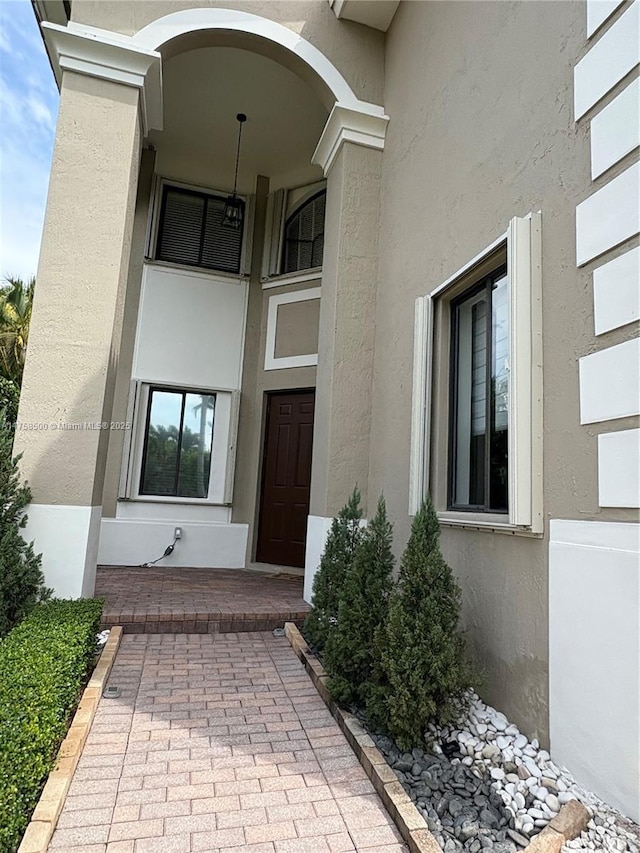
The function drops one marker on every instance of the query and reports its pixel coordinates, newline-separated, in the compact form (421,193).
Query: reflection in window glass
(178,442)
(480,397)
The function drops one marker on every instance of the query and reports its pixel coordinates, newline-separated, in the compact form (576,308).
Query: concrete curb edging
(566,825)
(410,823)
(47,811)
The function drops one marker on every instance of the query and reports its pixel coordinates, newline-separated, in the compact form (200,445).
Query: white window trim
(223,452)
(275,301)
(159,184)
(524,265)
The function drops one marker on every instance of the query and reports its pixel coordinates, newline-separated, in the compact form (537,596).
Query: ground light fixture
(234,206)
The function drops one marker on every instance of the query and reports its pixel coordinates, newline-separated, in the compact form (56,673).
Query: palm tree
(16,302)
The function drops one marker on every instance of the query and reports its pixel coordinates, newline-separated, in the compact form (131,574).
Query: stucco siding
(481,131)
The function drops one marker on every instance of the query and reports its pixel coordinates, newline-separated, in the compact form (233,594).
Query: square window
(178,441)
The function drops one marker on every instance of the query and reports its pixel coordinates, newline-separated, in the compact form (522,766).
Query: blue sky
(28,109)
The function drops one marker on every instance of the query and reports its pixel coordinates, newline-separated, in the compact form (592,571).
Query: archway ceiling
(205,88)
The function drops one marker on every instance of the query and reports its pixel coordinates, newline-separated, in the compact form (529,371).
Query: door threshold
(271,569)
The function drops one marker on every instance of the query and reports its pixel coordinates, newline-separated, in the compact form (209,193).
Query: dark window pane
(471,393)
(195,451)
(178,444)
(304,235)
(480,397)
(161,444)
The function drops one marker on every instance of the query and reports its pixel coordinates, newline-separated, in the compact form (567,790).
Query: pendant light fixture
(234,206)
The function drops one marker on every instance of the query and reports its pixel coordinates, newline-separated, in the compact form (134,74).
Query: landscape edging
(47,811)
(410,823)
(571,820)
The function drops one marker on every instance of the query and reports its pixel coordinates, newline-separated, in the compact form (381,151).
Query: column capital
(98,53)
(366,126)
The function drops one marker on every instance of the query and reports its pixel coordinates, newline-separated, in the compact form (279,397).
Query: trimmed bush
(43,666)
(335,562)
(364,604)
(21,578)
(422,672)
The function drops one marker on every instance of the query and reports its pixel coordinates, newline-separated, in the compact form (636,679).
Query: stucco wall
(257,382)
(355,50)
(481,131)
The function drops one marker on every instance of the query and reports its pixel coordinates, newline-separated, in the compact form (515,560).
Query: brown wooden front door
(286,479)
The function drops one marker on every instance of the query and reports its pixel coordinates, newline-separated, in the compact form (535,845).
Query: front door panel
(286,479)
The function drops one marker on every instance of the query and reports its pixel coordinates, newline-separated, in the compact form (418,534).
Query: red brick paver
(157,600)
(219,742)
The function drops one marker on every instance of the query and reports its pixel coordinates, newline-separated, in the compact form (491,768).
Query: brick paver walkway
(219,742)
(158,600)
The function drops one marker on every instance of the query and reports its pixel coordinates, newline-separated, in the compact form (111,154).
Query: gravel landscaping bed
(485,786)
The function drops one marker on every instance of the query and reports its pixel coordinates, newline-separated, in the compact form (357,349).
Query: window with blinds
(304,235)
(191,232)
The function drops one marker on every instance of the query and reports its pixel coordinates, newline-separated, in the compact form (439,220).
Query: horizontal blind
(191,232)
(221,246)
(304,235)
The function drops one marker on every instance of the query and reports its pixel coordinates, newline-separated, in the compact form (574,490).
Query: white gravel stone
(552,803)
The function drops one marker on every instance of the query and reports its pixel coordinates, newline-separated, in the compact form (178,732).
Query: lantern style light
(234,206)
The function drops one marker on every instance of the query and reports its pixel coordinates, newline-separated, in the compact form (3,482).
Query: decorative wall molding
(610,383)
(598,11)
(275,301)
(609,60)
(366,128)
(609,216)
(619,468)
(109,57)
(615,131)
(136,61)
(616,292)
(375,13)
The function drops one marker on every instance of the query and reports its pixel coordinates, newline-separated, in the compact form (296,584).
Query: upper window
(479,377)
(178,441)
(304,235)
(191,232)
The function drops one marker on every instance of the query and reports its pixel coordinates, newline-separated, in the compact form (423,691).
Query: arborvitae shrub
(422,672)
(335,562)
(363,607)
(21,578)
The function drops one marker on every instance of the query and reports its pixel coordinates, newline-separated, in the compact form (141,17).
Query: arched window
(304,235)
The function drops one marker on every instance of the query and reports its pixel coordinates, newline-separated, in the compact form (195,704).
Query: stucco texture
(481,131)
(75,331)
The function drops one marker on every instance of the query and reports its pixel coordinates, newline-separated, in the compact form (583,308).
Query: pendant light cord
(241,120)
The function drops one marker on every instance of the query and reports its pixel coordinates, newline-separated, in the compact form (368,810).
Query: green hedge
(43,667)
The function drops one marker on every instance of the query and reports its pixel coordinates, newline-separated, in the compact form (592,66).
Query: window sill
(487,522)
(292,278)
(160,499)
(202,272)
